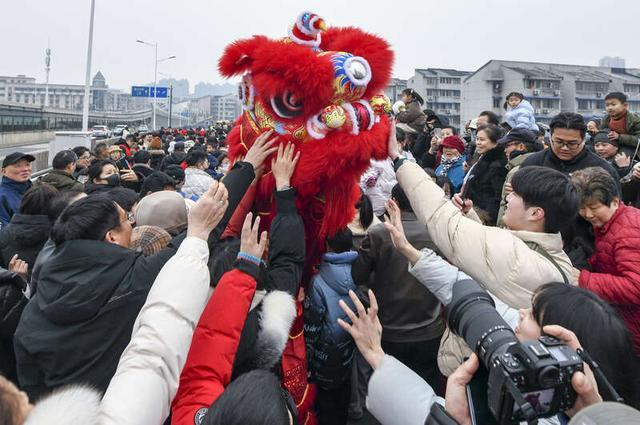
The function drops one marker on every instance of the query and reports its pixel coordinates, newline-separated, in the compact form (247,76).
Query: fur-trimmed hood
(71,405)
(265,333)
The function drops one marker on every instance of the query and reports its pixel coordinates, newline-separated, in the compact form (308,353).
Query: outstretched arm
(286,247)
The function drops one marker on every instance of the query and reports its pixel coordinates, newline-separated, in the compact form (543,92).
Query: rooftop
(536,73)
(438,71)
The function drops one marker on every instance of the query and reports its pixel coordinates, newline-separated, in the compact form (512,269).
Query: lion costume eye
(287,105)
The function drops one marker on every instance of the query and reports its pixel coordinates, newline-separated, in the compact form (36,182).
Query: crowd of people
(137,288)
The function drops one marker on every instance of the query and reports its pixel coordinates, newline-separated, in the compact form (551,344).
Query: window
(497,102)
(590,104)
(632,88)
(591,87)
(448,80)
(431,81)
(450,93)
(542,84)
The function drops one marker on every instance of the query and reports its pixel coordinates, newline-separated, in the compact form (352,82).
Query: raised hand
(365,328)
(208,211)
(463,205)
(393,224)
(284,164)
(19,267)
(249,241)
(456,402)
(128,176)
(585,383)
(622,160)
(392,142)
(261,149)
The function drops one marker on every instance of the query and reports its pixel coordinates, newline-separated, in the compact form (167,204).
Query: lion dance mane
(320,89)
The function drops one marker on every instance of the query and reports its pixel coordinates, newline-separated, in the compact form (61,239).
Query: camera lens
(472,315)
(548,376)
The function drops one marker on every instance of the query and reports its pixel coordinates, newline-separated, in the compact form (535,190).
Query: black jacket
(586,158)
(79,322)
(12,302)
(157,155)
(174,158)
(577,236)
(25,235)
(408,311)
(95,189)
(485,181)
(631,193)
(284,273)
(142,171)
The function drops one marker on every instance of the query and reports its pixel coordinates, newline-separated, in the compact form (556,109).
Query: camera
(525,380)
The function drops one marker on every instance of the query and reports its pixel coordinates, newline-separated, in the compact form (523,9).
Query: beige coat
(500,260)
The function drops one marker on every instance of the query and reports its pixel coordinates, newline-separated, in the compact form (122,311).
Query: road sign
(160,92)
(144,91)
(139,91)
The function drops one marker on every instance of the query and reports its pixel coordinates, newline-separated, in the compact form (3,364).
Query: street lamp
(85,105)
(170,97)
(155,75)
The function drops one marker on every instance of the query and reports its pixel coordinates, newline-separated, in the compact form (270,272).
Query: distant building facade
(550,88)
(226,107)
(25,90)
(612,62)
(441,90)
(394,89)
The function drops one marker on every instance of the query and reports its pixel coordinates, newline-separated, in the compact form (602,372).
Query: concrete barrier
(65,141)
(26,138)
(41,163)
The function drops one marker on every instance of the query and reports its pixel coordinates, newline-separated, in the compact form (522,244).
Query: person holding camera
(399,396)
(597,325)
(510,263)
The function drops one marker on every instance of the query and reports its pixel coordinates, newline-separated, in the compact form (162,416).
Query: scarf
(448,163)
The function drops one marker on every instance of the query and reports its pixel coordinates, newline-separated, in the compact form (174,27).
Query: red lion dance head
(321,90)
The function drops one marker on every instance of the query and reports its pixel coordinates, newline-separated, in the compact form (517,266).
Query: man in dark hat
(16,175)
(609,150)
(518,144)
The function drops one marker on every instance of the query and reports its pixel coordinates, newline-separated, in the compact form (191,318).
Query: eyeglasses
(570,145)
(131,218)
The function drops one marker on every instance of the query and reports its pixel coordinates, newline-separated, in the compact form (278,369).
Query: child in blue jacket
(520,113)
(329,347)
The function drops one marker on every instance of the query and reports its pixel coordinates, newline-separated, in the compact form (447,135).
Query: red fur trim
(280,66)
(238,56)
(371,47)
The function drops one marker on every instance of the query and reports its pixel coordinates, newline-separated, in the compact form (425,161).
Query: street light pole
(85,106)
(155,75)
(47,68)
(155,83)
(170,103)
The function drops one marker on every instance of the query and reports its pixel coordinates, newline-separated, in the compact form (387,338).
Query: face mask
(113,180)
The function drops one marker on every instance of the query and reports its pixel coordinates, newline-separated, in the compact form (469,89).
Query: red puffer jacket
(217,336)
(616,267)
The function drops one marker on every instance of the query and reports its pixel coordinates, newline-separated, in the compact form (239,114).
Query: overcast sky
(461,34)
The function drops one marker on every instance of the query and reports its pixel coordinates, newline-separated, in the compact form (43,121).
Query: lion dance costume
(319,89)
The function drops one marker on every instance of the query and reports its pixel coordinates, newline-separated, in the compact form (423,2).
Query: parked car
(117,131)
(100,132)
(143,128)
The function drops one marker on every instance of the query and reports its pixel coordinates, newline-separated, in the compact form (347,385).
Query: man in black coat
(567,154)
(92,288)
(12,302)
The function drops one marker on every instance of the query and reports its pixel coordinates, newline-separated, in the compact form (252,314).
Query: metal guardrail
(40,173)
